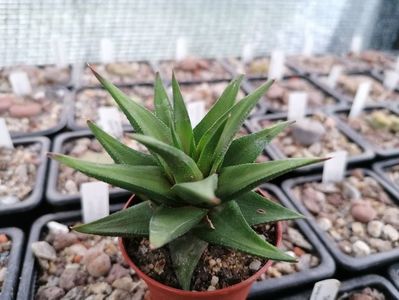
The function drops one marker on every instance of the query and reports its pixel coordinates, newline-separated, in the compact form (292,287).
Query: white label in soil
(58,45)
(334,168)
(308,45)
(77,72)
(95,200)
(5,138)
(397,65)
(110,121)
(335,73)
(55,227)
(181,48)
(297,103)
(247,53)
(356,44)
(107,51)
(20,83)
(196,111)
(276,66)
(362,95)
(391,79)
(325,289)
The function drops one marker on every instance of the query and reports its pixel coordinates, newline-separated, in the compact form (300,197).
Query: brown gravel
(320,64)
(258,67)
(367,60)
(367,293)
(5,248)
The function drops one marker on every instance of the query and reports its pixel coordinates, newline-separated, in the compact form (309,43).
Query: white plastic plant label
(334,168)
(95,200)
(391,79)
(110,121)
(196,111)
(276,66)
(181,48)
(247,53)
(297,103)
(356,44)
(397,65)
(58,46)
(55,227)
(325,290)
(308,45)
(5,137)
(77,72)
(107,51)
(361,97)
(20,83)
(335,73)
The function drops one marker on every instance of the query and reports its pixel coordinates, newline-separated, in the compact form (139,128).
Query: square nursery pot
(365,259)
(382,134)
(385,170)
(71,195)
(256,68)
(29,284)
(276,153)
(35,195)
(393,273)
(119,73)
(192,69)
(320,64)
(347,85)
(10,259)
(276,98)
(325,268)
(357,284)
(44,112)
(87,101)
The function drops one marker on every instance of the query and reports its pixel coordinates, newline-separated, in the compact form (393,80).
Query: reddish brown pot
(159,291)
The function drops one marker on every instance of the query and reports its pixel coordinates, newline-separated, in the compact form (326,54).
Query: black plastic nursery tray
(381,167)
(326,267)
(393,272)
(10,284)
(35,196)
(353,264)
(53,195)
(275,153)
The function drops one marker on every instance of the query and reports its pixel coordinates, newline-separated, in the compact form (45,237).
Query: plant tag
(360,99)
(335,73)
(276,67)
(59,52)
(5,137)
(20,83)
(95,200)
(308,45)
(397,65)
(77,71)
(181,48)
(297,102)
(325,289)
(196,111)
(334,168)
(110,121)
(391,79)
(107,51)
(247,53)
(356,44)
(55,227)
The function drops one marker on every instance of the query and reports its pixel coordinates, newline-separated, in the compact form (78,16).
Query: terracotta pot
(159,291)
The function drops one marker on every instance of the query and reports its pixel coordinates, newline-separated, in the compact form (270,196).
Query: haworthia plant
(197,182)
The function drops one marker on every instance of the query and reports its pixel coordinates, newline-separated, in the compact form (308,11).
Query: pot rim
(242,284)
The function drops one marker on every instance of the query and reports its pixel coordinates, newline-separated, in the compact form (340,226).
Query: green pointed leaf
(231,230)
(142,120)
(120,153)
(163,109)
(236,180)
(200,192)
(185,253)
(247,148)
(147,180)
(259,210)
(128,222)
(182,166)
(169,223)
(221,106)
(236,118)
(181,119)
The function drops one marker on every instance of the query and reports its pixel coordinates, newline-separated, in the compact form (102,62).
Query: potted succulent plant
(199,225)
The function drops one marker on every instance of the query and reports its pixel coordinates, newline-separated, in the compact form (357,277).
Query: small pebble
(42,249)
(255,265)
(374,228)
(390,233)
(360,248)
(363,212)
